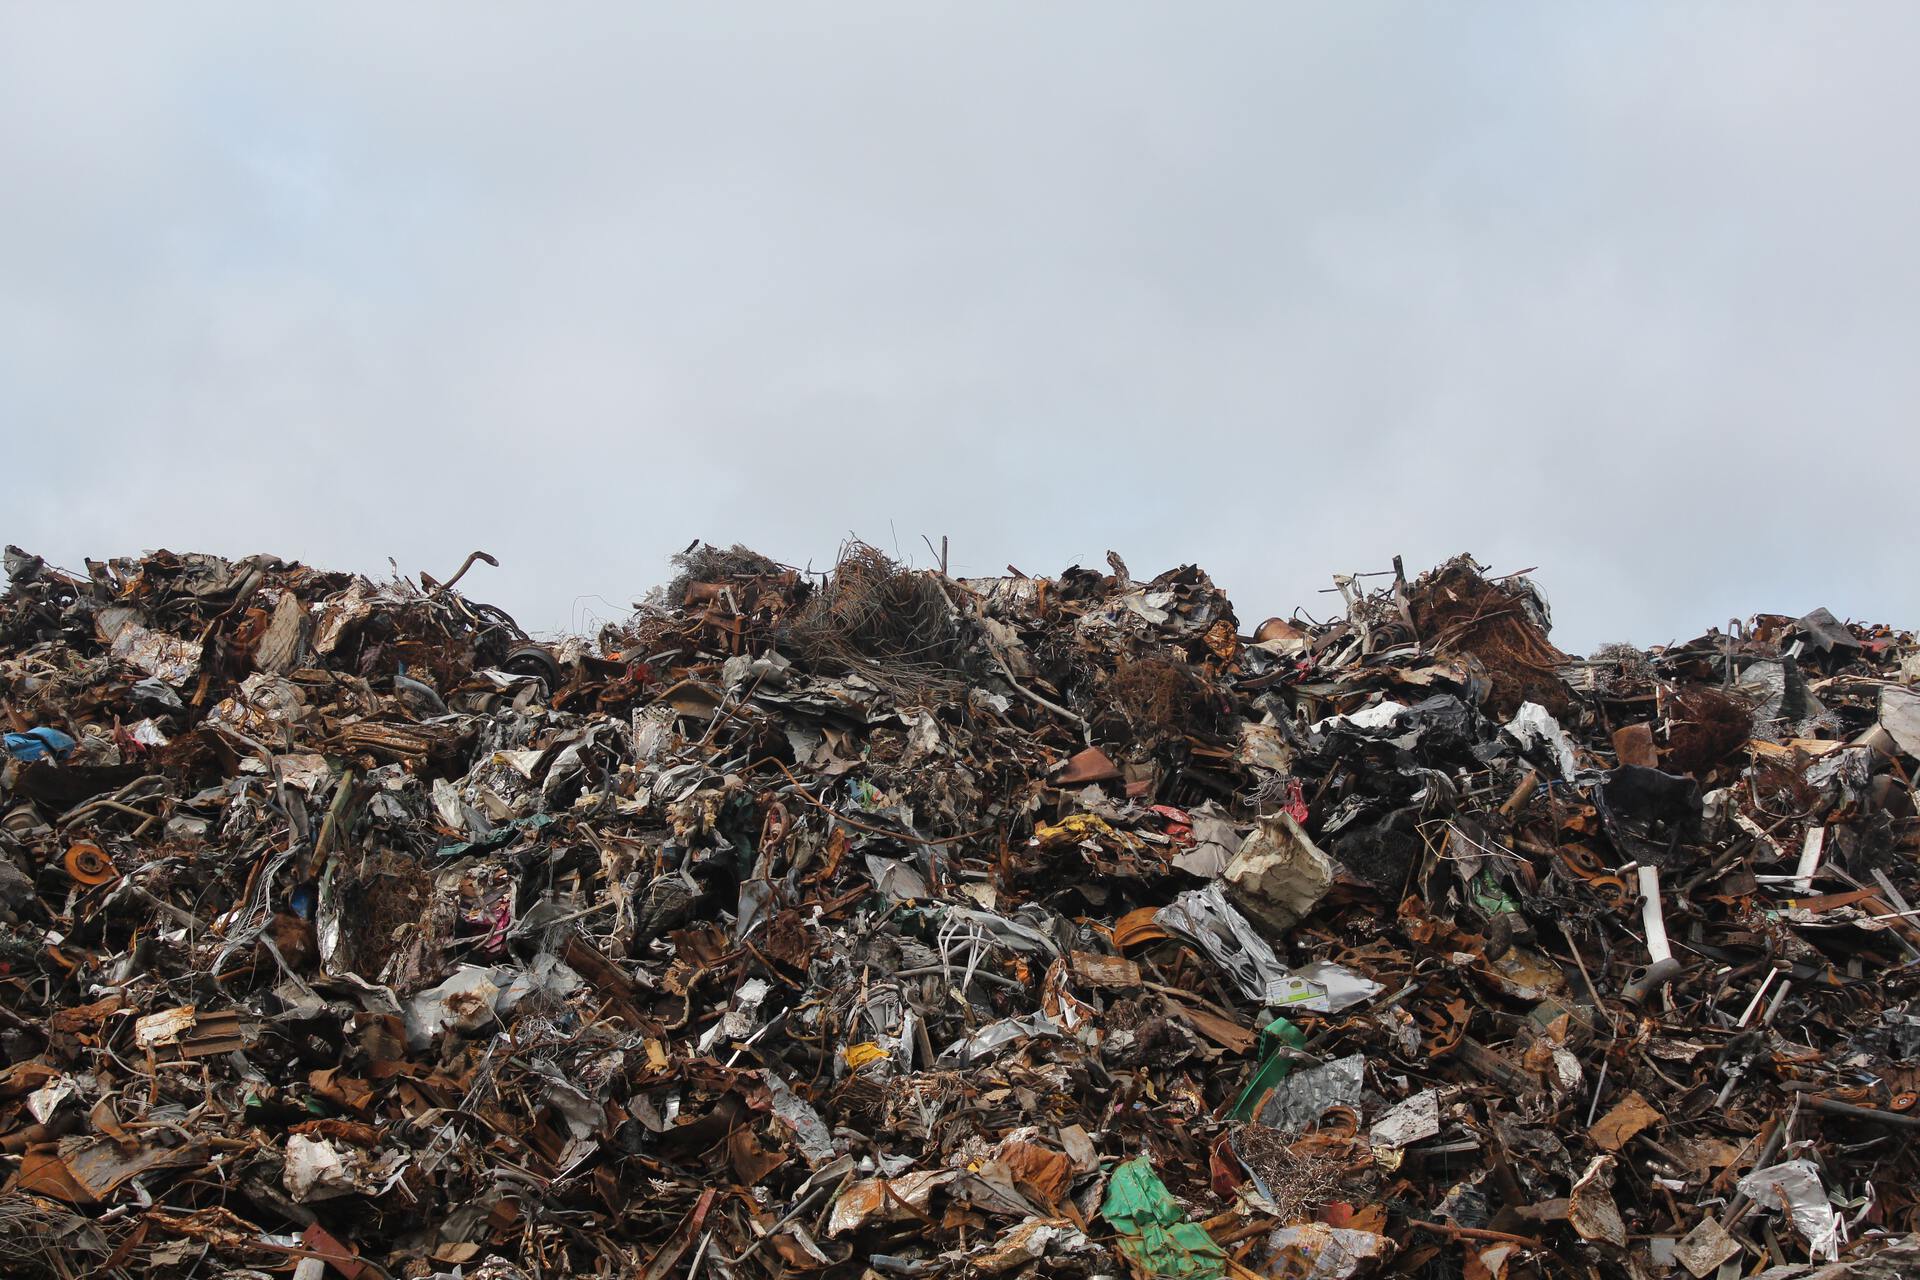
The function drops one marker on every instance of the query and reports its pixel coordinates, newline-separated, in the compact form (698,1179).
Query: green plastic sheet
(1274,1065)
(1161,1240)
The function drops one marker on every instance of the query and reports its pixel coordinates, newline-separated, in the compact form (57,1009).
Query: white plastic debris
(897,880)
(1381,715)
(1590,1206)
(166,1027)
(46,1100)
(1794,1188)
(995,1034)
(1900,715)
(1278,875)
(1029,1242)
(809,1131)
(1215,843)
(466,1002)
(1326,987)
(317,1169)
(1533,725)
(1413,1120)
(1331,1253)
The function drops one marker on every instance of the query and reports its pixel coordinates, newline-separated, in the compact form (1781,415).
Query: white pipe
(1809,859)
(1651,915)
(1755,1002)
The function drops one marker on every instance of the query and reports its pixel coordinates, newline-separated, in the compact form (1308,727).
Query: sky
(1626,292)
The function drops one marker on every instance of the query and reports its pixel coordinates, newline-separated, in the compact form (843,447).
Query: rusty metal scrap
(878,923)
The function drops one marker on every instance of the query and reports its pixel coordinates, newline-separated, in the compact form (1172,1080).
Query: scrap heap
(883,924)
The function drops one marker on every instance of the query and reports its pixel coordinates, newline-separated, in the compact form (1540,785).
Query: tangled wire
(40,1238)
(891,624)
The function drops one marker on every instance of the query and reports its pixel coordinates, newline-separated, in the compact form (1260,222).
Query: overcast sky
(1625,292)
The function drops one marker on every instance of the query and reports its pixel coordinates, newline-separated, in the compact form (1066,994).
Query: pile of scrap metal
(885,924)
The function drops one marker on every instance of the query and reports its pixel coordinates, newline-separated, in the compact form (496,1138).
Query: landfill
(883,923)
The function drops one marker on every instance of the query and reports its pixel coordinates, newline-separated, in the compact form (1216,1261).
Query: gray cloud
(1627,292)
